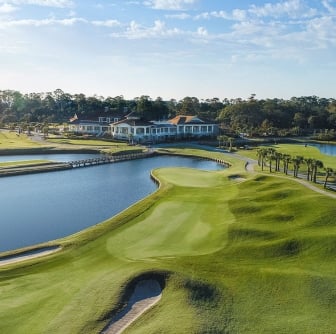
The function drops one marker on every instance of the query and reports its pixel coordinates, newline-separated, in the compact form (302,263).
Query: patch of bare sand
(237,178)
(28,255)
(146,294)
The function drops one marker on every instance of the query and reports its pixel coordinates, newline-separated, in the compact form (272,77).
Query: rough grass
(250,257)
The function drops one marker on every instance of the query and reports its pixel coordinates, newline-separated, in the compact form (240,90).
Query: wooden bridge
(107,159)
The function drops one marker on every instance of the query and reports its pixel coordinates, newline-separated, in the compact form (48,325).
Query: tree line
(278,117)
(59,106)
(255,117)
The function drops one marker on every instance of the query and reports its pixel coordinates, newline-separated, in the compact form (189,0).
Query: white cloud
(136,31)
(41,23)
(44,3)
(159,30)
(7,8)
(170,4)
(286,9)
(201,31)
(106,23)
(239,15)
(181,16)
(290,8)
(329,7)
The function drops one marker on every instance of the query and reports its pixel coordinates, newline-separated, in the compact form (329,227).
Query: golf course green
(239,252)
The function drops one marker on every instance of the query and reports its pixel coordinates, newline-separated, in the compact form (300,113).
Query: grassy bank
(9,164)
(295,150)
(254,254)
(9,140)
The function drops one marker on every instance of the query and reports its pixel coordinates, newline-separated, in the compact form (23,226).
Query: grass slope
(11,140)
(256,256)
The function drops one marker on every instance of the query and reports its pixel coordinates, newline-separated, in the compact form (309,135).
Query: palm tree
(263,154)
(316,165)
(286,158)
(308,162)
(278,157)
(296,165)
(230,140)
(270,157)
(329,172)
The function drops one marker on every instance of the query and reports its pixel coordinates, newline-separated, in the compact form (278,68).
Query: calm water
(327,149)
(52,157)
(41,207)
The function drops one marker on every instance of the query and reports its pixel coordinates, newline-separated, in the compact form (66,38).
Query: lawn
(87,142)
(255,255)
(12,140)
(295,150)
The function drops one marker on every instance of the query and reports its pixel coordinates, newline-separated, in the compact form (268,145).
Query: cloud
(291,8)
(287,9)
(44,3)
(201,31)
(326,4)
(41,23)
(137,31)
(106,23)
(170,4)
(7,8)
(181,16)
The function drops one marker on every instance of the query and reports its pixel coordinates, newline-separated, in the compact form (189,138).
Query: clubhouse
(134,128)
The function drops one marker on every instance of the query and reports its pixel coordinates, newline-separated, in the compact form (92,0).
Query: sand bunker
(28,255)
(146,293)
(236,178)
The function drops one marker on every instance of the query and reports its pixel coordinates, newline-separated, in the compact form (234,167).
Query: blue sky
(169,48)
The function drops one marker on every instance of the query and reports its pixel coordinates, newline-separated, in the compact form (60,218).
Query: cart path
(250,163)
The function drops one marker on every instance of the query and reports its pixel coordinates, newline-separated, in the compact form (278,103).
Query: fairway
(237,257)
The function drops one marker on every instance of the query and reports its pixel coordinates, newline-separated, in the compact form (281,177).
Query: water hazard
(41,207)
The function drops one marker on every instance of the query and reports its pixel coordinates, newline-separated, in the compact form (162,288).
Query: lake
(40,207)
(328,149)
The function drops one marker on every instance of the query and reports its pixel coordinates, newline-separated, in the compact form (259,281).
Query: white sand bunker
(237,178)
(32,254)
(146,294)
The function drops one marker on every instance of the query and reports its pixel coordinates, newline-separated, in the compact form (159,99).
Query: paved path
(250,164)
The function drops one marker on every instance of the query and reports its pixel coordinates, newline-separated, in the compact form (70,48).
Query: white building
(94,128)
(132,128)
(193,127)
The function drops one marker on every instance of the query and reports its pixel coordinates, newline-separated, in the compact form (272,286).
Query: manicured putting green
(187,223)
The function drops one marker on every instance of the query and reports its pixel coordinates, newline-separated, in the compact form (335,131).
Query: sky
(169,48)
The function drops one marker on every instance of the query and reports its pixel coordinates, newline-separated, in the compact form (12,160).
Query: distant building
(89,127)
(132,128)
(135,129)
(193,127)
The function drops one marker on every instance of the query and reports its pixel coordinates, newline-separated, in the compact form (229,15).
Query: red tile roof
(185,120)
